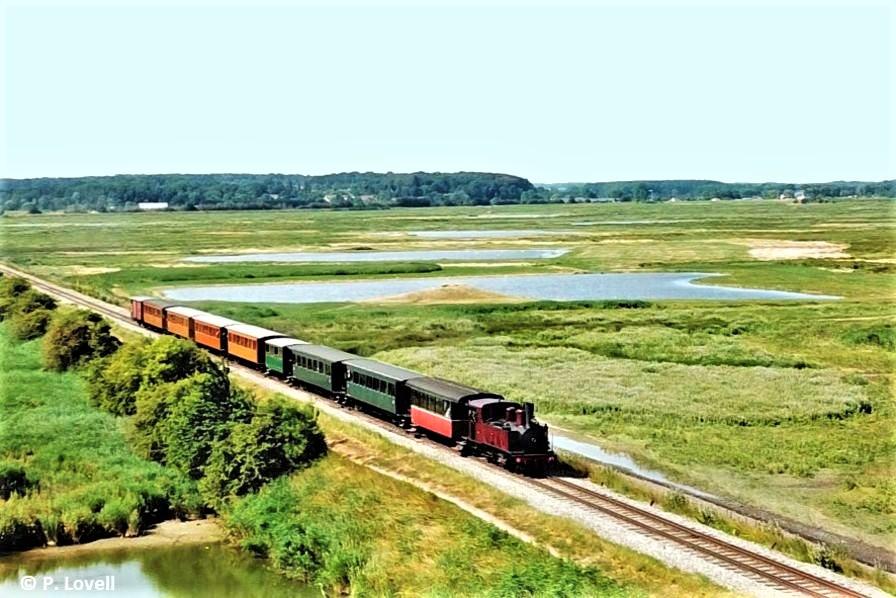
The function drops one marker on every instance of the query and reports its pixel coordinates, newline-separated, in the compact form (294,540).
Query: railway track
(765,571)
(774,574)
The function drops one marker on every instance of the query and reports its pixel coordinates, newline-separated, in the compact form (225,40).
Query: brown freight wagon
(246,342)
(179,320)
(154,312)
(210,331)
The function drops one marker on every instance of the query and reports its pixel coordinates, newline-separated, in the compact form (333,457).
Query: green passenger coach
(379,385)
(318,366)
(276,355)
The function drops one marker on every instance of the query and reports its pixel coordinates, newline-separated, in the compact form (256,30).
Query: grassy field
(786,405)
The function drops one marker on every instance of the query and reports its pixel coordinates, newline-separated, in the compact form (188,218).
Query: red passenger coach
(137,308)
(439,406)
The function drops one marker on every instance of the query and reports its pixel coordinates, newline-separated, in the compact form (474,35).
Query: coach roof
(322,352)
(213,320)
(160,303)
(448,390)
(284,341)
(187,312)
(382,370)
(252,331)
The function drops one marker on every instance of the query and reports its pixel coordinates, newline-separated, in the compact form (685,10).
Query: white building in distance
(152,205)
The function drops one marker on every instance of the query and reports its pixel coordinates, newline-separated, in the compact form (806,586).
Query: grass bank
(341,526)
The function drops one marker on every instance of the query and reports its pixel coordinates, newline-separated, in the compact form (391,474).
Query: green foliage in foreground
(341,526)
(74,337)
(81,480)
(185,414)
(28,311)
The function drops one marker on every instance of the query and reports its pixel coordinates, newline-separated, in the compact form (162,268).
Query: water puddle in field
(202,570)
(621,461)
(445,255)
(554,287)
(596,453)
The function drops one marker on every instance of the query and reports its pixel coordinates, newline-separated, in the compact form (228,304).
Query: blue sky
(554,91)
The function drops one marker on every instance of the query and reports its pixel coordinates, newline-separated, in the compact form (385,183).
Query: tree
(74,337)
(176,423)
(280,438)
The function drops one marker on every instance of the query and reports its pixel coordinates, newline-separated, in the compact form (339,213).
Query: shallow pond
(556,287)
(213,570)
(445,255)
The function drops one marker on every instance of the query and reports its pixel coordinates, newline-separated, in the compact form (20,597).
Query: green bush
(176,423)
(74,337)
(280,438)
(29,325)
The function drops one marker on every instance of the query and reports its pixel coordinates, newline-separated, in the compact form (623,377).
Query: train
(473,421)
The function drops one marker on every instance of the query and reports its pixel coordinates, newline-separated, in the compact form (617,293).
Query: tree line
(365,190)
(249,191)
(705,189)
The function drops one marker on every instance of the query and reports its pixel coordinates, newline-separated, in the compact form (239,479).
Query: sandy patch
(771,249)
(167,533)
(447,293)
(88,270)
(628,241)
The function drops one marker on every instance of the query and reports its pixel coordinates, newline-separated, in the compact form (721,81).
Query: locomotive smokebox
(529,409)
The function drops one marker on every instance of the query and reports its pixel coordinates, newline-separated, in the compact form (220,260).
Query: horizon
(558,92)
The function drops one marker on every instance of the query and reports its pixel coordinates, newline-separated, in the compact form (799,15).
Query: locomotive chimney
(508,414)
(529,408)
(520,417)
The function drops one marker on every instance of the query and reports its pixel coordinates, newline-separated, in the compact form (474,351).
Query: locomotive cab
(509,434)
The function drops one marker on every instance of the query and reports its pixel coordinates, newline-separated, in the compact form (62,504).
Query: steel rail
(693,539)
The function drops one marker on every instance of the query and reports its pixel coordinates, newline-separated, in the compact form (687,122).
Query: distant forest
(374,190)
